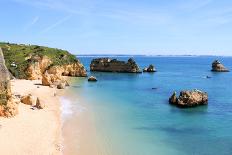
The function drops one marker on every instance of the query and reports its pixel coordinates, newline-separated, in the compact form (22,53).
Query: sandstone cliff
(7,107)
(39,65)
(114,65)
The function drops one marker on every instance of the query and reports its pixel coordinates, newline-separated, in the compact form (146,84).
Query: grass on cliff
(19,54)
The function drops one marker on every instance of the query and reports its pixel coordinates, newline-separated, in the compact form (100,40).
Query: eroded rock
(114,65)
(92,79)
(189,99)
(151,68)
(218,67)
(29,100)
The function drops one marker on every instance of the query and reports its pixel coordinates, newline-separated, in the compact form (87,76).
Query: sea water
(132,115)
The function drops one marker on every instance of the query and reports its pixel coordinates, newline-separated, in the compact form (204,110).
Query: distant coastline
(128,55)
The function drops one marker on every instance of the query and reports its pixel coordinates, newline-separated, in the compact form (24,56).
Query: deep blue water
(134,119)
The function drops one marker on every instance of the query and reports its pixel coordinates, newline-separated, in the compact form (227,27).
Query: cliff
(7,107)
(114,65)
(32,61)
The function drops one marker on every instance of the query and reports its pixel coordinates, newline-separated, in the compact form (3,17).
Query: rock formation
(92,79)
(218,67)
(29,100)
(39,65)
(114,65)
(7,107)
(39,104)
(189,99)
(151,68)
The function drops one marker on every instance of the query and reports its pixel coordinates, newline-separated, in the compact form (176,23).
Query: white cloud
(56,24)
(32,23)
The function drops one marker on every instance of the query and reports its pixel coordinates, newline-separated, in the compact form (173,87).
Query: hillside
(20,57)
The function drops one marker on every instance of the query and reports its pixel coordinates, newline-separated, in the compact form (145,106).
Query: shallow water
(131,118)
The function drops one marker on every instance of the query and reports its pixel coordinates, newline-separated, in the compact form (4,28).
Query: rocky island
(114,65)
(151,69)
(188,99)
(218,67)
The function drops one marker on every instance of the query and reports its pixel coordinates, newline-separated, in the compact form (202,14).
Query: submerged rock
(189,98)
(92,79)
(218,67)
(151,68)
(114,65)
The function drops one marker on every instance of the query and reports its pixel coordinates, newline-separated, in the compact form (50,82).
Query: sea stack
(7,107)
(150,69)
(218,67)
(114,65)
(92,79)
(188,99)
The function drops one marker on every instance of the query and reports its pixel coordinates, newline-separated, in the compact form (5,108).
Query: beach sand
(33,132)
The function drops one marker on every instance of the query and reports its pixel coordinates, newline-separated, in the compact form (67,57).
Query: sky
(151,27)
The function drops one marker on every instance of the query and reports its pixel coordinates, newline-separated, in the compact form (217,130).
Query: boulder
(218,67)
(189,99)
(61,85)
(92,79)
(39,104)
(29,100)
(51,79)
(114,65)
(151,68)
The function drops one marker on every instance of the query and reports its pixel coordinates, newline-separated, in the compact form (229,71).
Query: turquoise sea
(131,118)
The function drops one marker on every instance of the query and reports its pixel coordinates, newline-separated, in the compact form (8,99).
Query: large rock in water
(151,69)
(218,67)
(7,107)
(114,65)
(189,99)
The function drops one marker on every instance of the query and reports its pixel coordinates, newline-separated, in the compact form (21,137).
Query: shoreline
(33,131)
(78,126)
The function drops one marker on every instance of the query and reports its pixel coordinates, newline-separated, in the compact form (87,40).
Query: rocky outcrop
(114,65)
(51,79)
(92,79)
(29,100)
(151,68)
(54,80)
(218,67)
(74,70)
(7,107)
(39,65)
(39,104)
(189,99)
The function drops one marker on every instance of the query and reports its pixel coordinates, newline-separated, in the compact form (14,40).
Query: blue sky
(121,26)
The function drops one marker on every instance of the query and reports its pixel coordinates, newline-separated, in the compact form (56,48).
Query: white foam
(66,106)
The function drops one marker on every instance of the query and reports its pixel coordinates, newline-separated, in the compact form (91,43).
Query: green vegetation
(18,53)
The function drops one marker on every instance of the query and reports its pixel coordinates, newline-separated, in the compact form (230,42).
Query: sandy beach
(33,132)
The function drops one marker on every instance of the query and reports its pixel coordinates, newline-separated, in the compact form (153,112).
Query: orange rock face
(40,65)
